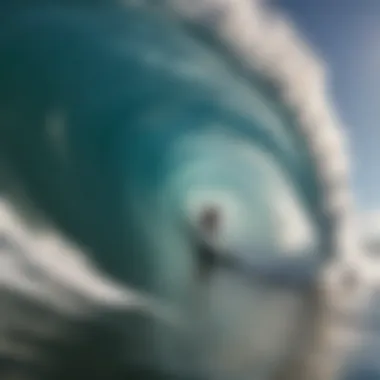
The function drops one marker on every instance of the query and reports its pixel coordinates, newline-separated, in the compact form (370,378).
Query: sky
(346,33)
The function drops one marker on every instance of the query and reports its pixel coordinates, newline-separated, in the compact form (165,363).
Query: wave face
(135,133)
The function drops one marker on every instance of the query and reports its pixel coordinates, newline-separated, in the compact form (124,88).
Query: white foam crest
(267,43)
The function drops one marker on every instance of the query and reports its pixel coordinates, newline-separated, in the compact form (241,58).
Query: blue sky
(347,34)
